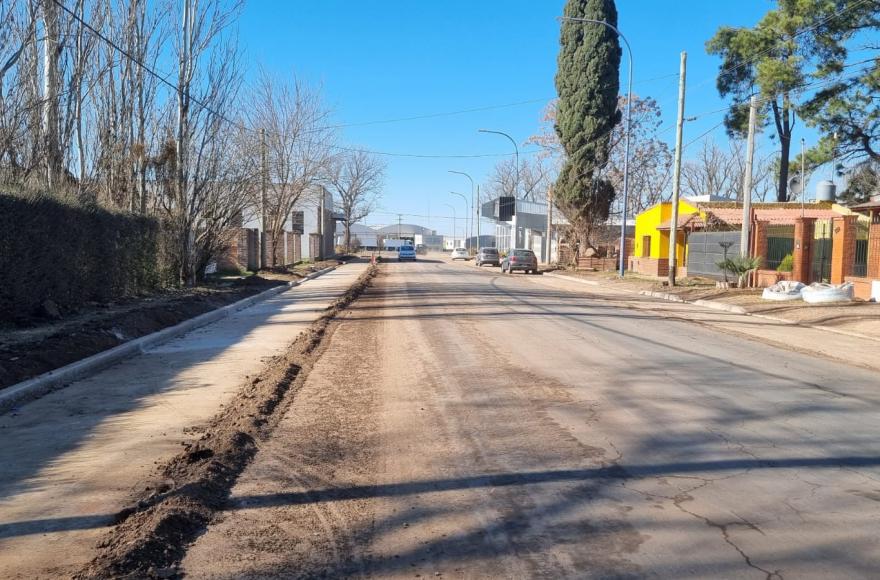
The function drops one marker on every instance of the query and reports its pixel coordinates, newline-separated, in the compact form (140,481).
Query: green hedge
(71,254)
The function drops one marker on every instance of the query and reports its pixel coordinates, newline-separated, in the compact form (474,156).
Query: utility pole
(549,220)
(399,219)
(479,209)
(676,174)
(263,199)
(747,179)
(803,174)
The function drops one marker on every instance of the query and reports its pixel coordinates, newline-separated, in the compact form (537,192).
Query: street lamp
(466,212)
(452,207)
(516,148)
(628,125)
(475,214)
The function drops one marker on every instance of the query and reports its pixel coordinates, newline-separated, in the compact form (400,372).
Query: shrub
(72,254)
(740,266)
(787,264)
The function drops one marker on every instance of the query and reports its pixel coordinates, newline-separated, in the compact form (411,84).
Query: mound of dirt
(151,536)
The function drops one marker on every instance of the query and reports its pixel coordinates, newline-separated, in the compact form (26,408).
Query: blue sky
(380,60)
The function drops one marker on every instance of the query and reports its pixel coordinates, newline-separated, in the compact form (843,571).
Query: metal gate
(822,246)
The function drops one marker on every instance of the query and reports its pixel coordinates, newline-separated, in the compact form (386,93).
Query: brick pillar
(760,241)
(874,246)
(803,248)
(843,247)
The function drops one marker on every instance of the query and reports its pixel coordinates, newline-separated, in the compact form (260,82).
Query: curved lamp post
(452,207)
(466,212)
(516,149)
(628,125)
(474,213)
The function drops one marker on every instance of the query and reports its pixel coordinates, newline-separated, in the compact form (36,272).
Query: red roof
(732,214)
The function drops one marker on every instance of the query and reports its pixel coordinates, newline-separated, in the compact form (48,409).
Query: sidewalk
(816,340)
(71,459)
(854,318)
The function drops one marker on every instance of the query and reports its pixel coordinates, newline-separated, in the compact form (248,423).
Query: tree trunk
(784,147)
(50,93)
(347,235)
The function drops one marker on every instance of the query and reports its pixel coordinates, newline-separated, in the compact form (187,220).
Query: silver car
(523,260)
(488,256)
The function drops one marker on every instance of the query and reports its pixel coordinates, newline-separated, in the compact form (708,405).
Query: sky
(380,60)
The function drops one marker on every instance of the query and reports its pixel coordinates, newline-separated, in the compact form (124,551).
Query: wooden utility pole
(263,199)
(747,179)
(676,174)
(549,220)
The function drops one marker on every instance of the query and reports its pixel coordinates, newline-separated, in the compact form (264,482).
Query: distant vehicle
(524,260)
(421,249)
(488,256)
(405,253)
(460,254)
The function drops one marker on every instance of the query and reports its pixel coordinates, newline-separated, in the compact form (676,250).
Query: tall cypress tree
(587,81)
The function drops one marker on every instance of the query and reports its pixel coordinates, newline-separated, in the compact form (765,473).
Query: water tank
(826,191)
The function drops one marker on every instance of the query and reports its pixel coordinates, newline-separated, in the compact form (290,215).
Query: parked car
(460,254)
(488,256)
(524,260)
(421,249)
(406,253)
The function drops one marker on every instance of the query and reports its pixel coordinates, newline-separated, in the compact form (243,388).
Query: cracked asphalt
(465,424)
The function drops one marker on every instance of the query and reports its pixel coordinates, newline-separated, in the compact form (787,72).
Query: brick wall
(843,248)
(874,248)
(658,267)
(803,249)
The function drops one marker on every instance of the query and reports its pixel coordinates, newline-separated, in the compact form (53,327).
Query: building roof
(362,229)
(406,229)
(732,214)
(874,203)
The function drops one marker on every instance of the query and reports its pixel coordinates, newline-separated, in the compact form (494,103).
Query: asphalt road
(465,424)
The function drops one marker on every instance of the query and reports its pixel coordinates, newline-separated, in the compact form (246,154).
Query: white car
(406,253)
(460,254)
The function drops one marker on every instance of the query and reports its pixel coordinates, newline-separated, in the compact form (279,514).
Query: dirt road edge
(150,538)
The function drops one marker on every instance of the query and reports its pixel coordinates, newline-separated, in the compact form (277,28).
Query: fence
(706,249)
(860,261)
(780,243)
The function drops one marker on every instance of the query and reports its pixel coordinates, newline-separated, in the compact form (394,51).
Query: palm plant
(740,266)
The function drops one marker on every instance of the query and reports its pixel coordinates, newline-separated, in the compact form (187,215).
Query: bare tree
(293,118)
(650,163)
(210,180)
(534,178)
(719,173)
(356,177)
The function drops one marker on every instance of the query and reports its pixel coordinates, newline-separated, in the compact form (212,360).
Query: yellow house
(651,245)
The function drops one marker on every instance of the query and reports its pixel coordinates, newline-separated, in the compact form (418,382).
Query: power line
(238,125)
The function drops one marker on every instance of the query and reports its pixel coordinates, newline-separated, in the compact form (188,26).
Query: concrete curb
(714,305)
(732,308)
(53,380)
(571,278)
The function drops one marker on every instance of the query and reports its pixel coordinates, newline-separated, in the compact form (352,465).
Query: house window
(646,246)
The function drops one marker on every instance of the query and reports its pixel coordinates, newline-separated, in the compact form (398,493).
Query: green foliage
(587,81)
(847,104)
(863,182)
(72,254)
(776,58)
(786,265)
(740,266)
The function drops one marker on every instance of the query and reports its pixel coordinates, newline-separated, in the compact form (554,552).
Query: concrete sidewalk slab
(38,386)
(71,459)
